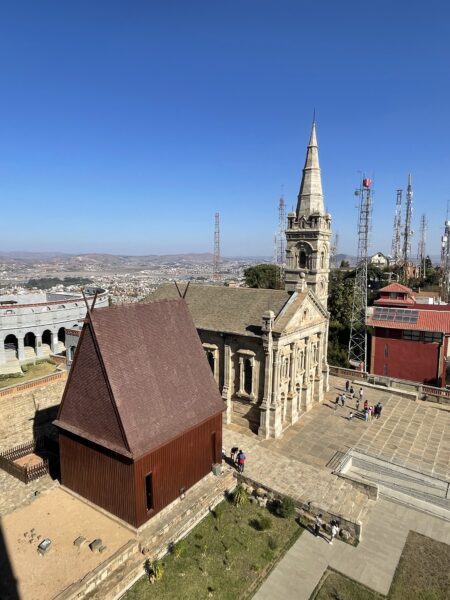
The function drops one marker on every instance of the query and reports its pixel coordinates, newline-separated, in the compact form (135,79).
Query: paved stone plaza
(412,434)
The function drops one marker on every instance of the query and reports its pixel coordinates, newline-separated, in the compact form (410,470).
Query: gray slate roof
(225,309)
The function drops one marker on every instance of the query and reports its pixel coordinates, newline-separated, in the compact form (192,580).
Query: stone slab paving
(291,477)
(412,434)
(372,562)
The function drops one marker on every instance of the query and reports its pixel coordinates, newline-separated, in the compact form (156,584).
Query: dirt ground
(28,461)
(59,516)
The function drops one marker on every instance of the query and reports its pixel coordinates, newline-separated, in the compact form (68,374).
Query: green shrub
(41,361)
(158,570)
(25,368)
(284,508)
(240,496)
(10,376)
(272,543)
(265,523)
(179,548)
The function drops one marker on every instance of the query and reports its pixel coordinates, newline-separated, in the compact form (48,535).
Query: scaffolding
(216,257)
(397,234)
(357,347)
(421,249)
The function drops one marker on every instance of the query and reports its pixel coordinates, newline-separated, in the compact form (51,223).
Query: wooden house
(140,421)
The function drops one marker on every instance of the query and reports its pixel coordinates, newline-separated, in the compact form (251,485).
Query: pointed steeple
(310,197)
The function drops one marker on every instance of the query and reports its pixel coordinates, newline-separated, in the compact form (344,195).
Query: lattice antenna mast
(216,260)
(357,347)
(275,250)
(407,231)
(334,250)
(421,249)
(445,261)
(397,234)
(281,235)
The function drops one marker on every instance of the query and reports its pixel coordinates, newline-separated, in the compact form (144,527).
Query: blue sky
(124,126)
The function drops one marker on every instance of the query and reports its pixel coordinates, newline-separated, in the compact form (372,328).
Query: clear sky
(124,125)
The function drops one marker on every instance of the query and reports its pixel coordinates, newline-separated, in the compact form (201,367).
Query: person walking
(241,461)
(357,404)
(370,413)
(334,531)
(352,393)
(380,408)
(366,414)
(366,404)
(350,416)
(317,524)
(233,453)
(336,402)
(347,385)
(343,398)
(361,393)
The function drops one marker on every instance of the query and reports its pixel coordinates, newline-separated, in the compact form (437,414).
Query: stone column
(319,373)
(276,407)
(241,374)
(20,349)
(54,344)
(292,387)
(265,409)
(38,346)
(325,367)
(226,390)
(2,351)
(307,397)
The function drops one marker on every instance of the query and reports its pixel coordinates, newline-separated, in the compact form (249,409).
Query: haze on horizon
(126,126)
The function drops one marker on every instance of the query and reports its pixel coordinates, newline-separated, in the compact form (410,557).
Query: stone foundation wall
(26,414)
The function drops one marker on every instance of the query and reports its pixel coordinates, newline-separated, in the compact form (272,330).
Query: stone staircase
(404,485)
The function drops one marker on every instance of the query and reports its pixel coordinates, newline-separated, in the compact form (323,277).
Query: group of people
(370,412)
(334,528)
(238,457)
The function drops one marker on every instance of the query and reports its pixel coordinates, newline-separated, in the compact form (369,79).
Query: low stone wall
(309,509)
(92,580)
(27,412)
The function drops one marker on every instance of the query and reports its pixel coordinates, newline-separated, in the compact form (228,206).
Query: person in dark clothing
(233,453)
(241,461)
(347,385)
(379,408)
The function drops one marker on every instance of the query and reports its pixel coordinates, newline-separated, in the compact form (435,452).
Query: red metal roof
(394,301)
(396,287)
(428,320)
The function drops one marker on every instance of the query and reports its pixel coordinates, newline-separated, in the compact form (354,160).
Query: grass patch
(30,372)
(225,557)
(422,572)
(335,586)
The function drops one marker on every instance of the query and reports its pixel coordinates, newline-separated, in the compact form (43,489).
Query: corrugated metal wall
(179,464)
(107,479)
(98,475)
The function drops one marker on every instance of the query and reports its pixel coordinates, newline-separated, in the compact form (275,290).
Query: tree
(344,264)
(264,276)
(340,298)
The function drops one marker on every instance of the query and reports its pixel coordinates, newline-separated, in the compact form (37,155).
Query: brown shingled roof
(226,309)
(139,379)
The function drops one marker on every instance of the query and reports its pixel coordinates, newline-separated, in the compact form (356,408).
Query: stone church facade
(268,348)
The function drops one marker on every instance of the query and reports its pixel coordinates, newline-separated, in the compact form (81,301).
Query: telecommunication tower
(421,250)
(281,236)
(357,347)
(216,260)
(445,262)
(397,234)
(407,231)
(334,250)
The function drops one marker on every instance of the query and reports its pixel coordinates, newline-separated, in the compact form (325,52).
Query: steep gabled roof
(140,378)
(225,309)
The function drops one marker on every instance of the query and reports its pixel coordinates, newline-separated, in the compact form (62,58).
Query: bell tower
(308,233)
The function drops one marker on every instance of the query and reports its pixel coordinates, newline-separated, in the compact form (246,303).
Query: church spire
(310,197)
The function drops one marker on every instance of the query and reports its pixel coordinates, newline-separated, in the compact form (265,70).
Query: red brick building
(409,340)
(140,421)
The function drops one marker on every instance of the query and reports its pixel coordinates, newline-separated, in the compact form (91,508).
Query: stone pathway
(293,478)
(372,562)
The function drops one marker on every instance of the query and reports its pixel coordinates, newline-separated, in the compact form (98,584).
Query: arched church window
(302,259)
(248,376)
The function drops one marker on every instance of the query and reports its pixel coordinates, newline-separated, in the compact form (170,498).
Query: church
(267,349)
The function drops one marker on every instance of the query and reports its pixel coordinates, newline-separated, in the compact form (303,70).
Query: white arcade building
(32,325)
